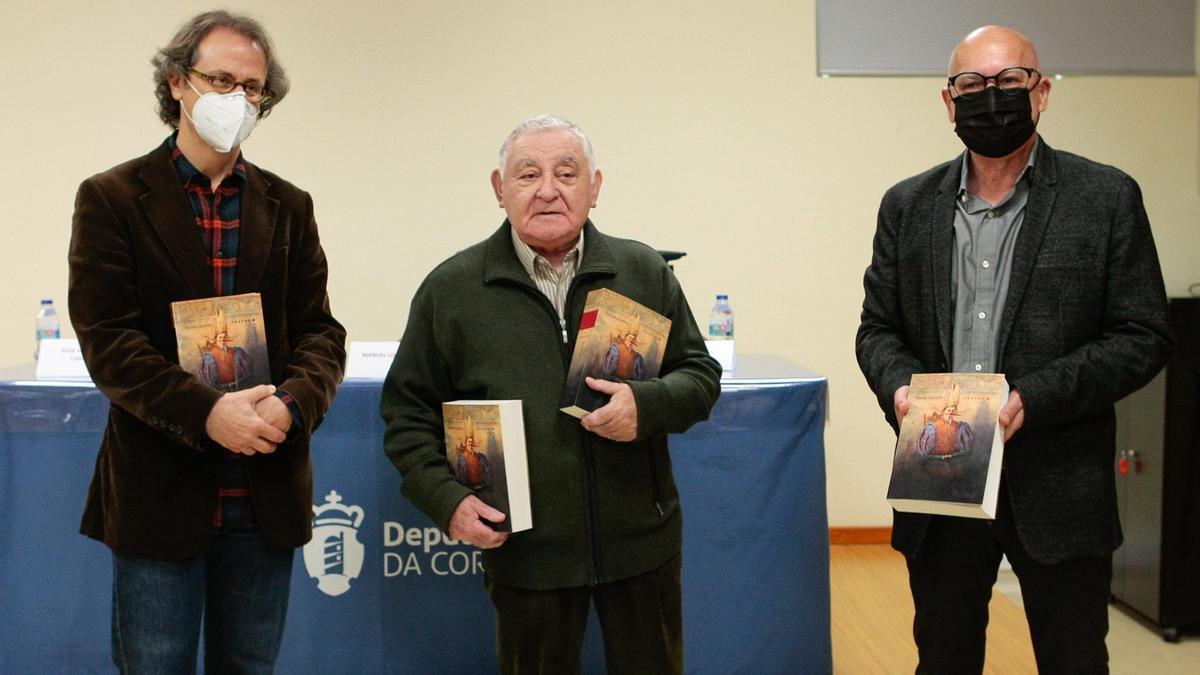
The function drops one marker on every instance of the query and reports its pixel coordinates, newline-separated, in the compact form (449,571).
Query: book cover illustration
(485,445)
(949,449)
(618,339)
(223,340)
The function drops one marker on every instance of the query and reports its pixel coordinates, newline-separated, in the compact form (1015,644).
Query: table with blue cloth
(381,590)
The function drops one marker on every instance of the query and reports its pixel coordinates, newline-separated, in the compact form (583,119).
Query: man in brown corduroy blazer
(201,494)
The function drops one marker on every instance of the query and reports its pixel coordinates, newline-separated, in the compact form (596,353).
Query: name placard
(61,359)
(723,352)
(369,359)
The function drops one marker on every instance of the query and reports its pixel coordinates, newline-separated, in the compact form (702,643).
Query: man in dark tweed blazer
(1018,259)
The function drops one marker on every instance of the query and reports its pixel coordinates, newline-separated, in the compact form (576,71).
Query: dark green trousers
(641,619)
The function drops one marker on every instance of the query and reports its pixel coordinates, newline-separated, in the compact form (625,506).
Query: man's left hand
(1012,415)
(275,412)
(617,419)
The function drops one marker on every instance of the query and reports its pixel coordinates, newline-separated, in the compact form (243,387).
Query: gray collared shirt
(553,283)
(985,237)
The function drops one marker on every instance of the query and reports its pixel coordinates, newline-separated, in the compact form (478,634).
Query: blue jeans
(237,587)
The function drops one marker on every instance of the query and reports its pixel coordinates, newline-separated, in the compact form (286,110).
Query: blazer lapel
(169,213)
(257,231)
(941,252)
(1033,229)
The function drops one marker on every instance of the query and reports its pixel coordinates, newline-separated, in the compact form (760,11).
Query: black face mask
(994,122)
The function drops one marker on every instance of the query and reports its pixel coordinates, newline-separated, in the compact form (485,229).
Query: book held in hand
(618,340)
(485,445)
(223,340)
(950,446)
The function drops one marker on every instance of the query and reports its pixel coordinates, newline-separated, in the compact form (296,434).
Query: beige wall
(714,133)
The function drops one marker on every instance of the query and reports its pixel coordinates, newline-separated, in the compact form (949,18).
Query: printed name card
(723,352)
(370,360)
(61,359)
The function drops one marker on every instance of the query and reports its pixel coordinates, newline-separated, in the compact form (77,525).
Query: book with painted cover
(618,340)
(223,340)
(485,445)
(950,446)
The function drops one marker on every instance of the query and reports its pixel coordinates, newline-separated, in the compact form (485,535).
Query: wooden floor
(872,617)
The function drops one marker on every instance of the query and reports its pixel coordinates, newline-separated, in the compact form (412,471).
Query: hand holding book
(467,524)
(1012,415)
(617,419)
(900,401)
(619,340)
(485,447)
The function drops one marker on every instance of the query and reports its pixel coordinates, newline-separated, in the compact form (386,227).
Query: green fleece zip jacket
(479,329)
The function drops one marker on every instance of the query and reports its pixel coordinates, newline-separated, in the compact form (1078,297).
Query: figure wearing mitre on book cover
(623,360)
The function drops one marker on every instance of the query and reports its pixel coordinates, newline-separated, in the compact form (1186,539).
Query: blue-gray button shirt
(985,237)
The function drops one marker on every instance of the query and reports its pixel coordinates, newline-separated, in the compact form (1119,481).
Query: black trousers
(641,619)
(951,576)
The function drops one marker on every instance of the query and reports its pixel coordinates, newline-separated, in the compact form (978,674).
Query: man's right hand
(234,425)
(465,524)
(900,401)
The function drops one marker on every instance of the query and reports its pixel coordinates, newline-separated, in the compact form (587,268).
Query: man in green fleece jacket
(498,321)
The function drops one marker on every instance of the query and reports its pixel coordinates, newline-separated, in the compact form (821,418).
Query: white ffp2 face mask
(222,120)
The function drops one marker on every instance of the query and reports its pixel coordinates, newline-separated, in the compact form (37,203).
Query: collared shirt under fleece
(553,283)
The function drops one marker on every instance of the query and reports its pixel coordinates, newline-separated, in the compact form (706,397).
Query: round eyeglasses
(1015,77)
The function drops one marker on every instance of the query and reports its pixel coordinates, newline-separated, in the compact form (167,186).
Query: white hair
(546,122)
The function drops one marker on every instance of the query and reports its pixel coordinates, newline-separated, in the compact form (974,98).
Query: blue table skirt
(755,572)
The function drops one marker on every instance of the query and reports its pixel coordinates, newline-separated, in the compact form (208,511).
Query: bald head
(995,78)
(991,49)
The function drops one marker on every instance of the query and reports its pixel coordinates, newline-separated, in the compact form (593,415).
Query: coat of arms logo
(334,556)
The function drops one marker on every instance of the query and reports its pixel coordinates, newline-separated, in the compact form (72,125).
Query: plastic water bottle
(47,324)
(720,320)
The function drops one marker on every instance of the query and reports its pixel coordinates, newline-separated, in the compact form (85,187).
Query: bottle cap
(47,301)
(722,296)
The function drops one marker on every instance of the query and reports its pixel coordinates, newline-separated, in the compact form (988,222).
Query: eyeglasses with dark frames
(1015,77)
